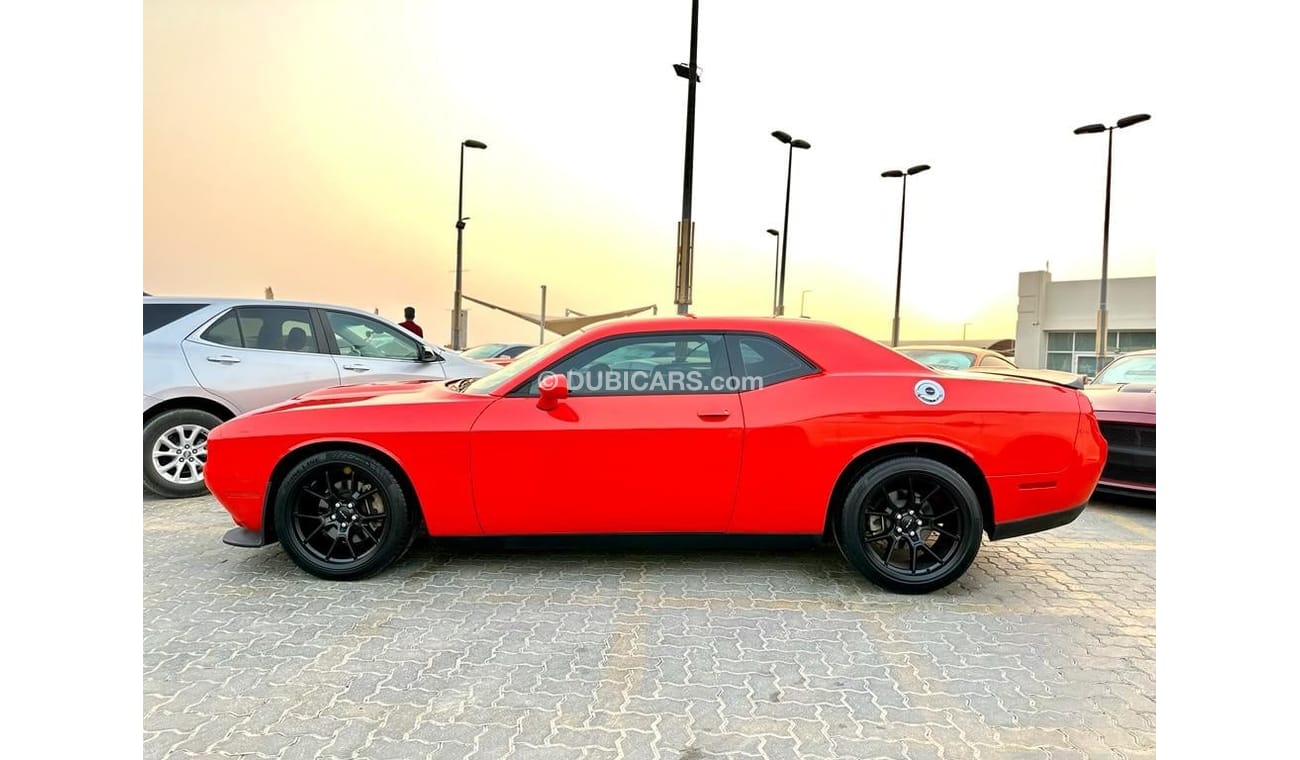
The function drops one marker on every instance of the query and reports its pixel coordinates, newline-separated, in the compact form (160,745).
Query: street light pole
(457,329)
(902,217)
(803,303)
(785,231)
(964,325)
(776,276)
(1103,316)
(686,228)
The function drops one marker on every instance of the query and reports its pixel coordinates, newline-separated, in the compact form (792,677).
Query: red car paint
(761,461)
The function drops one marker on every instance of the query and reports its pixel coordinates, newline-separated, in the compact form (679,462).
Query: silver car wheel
(180,453)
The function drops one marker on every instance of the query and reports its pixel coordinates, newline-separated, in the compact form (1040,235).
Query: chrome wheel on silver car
(176,451)
(180,453)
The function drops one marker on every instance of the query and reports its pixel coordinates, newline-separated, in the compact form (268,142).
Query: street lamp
(803,302)
(457,329)
(785,231)
(1090,129)
(686,228)
(776,277)
(902,216)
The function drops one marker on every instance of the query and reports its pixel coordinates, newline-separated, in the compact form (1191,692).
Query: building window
(1077,351)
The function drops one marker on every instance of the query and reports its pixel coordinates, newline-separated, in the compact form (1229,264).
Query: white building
(1056,323)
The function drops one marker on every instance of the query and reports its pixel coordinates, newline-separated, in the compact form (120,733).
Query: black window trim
(736,360)
(520,390)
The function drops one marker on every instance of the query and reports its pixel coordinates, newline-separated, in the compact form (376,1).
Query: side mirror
(427,355)
(552,389)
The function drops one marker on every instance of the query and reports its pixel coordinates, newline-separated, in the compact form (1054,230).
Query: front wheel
(910,525)
(342,515)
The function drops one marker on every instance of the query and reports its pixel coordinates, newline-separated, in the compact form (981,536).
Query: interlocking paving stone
(1045,649)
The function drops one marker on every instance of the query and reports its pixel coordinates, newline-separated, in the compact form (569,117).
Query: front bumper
(245,538)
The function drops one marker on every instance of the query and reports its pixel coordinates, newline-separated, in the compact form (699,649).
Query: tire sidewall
(152,431)
(855,550)
(396,539)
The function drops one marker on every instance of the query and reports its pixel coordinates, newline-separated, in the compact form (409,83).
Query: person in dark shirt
(410,324)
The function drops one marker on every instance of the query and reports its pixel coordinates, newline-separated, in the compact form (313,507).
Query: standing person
(410,324)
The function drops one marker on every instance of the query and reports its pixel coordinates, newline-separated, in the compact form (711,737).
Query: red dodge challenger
(669,425)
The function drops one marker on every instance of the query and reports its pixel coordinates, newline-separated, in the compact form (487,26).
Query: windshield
(485,351)
(941,359)
(530,360)
(1129,369)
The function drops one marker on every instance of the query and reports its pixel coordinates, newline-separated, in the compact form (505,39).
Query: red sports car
(669,425)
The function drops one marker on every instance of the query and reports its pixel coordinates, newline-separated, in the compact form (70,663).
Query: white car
(207,360)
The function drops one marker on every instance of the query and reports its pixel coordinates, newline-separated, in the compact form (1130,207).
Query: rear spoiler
(1050,376)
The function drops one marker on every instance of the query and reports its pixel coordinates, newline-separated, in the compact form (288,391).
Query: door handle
(224,359)
(356,367)
(721,414)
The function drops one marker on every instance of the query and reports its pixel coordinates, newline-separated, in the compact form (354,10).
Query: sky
(312,147)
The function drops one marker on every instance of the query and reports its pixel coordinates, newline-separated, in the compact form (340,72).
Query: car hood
(1131,397)
(380,393)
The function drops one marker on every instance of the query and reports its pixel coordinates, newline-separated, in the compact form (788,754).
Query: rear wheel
(910,525)
(342,515)
(176,451)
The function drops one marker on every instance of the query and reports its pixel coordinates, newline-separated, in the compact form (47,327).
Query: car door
(649,440)
(369,351)
(255,356)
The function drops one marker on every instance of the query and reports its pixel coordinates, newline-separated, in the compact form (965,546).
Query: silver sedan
(207,360)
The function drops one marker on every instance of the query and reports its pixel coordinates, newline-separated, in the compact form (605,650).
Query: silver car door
(254,356)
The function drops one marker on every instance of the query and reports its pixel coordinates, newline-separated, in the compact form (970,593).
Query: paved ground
(1046,649)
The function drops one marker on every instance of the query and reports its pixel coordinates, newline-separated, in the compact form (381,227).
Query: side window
(655,364)
(369,338)
(225,331)
(764,362)
(514,351)
(278,328)
(158,315)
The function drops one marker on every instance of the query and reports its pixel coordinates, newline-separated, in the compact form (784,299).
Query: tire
(363,526)
(910,525)
(175,452)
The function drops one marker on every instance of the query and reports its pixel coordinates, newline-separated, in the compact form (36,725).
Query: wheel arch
(215,408)
(955,458)
(291,459)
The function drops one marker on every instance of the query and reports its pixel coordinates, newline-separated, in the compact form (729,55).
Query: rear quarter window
(159,315)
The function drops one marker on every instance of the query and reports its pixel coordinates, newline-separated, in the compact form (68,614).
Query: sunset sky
(312,146)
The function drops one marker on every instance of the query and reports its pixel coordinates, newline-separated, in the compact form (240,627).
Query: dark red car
(669,425)
(1124,396)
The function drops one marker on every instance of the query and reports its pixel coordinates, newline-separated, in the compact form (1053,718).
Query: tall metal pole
(685,232)
(1102,315)
(541,333)
(457,340)
(776,279)
(898,283)
(785,237)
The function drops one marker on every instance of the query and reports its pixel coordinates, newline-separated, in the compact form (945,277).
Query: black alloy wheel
(343,515)
(911,525)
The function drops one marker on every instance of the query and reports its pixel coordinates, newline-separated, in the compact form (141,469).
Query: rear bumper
(1036,524)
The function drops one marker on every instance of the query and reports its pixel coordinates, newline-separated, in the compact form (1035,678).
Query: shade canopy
(562,325)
